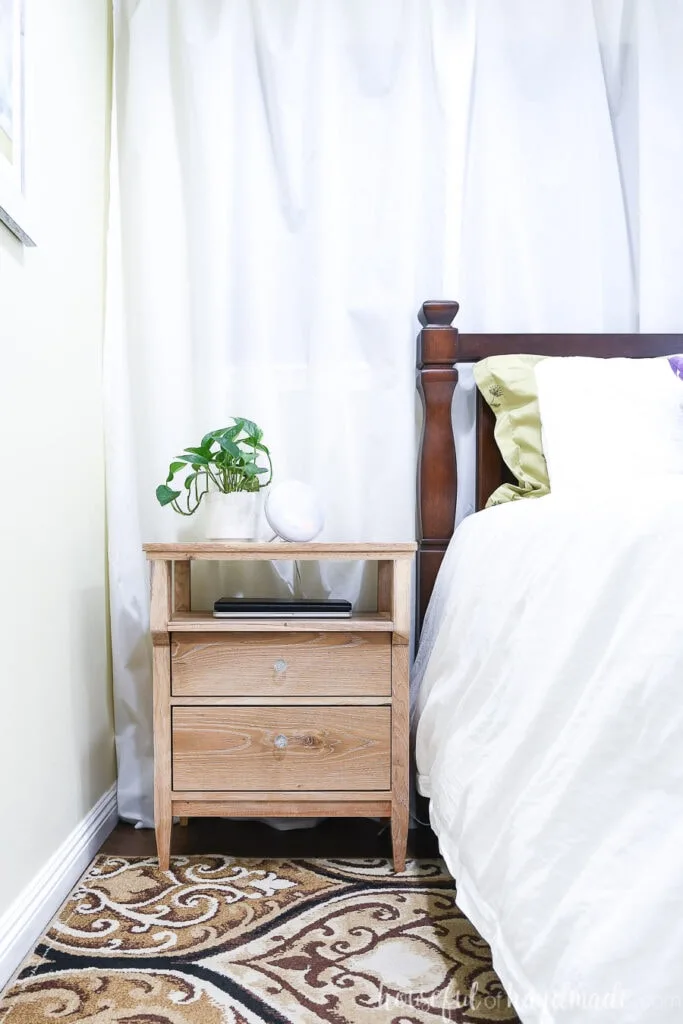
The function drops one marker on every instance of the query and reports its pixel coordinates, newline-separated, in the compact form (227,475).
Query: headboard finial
(438,313)
(437,343)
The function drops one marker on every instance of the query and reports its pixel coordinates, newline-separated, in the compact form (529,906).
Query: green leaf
(190,479)
(215,435)
(165,495)
(209,438)
(225,457)
(173,469)
(229,446)
(250,428)
(205,450)
(195,460)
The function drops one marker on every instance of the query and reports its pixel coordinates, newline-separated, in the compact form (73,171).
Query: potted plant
(225,470)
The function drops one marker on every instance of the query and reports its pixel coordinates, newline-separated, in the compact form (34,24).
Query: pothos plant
(227,460)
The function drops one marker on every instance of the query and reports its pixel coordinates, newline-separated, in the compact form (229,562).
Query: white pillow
(609,422)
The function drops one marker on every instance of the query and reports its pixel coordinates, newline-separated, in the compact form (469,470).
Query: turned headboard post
(437,351)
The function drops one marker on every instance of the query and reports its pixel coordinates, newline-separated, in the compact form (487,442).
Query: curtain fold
(290,180)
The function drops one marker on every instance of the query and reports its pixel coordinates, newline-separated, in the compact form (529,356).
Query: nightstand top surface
(268,550)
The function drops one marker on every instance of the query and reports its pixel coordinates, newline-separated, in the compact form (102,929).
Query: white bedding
(550,740)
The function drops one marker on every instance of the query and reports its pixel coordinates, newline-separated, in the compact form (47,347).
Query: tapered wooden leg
(399,835)
(162,828)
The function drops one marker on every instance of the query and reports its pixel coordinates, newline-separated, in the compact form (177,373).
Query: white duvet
(550,741)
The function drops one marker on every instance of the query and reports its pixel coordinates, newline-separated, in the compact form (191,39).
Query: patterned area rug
(217,940)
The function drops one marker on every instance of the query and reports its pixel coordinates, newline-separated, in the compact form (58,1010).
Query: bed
(548,722)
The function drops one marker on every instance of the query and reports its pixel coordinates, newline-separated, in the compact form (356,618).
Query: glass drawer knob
(280,742)
(280,665)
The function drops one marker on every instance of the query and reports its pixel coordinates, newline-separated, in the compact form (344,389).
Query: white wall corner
(25,920)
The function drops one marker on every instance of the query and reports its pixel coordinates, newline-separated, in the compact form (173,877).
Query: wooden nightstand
(280,718)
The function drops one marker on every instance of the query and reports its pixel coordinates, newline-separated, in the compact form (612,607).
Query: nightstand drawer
(276,748)
(281,664)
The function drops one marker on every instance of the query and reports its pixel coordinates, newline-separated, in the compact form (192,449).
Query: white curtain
(291,178)
(572,213)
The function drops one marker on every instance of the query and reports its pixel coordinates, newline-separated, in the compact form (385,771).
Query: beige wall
(56,742)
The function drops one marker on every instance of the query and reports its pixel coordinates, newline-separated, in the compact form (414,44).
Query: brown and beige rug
(217,940)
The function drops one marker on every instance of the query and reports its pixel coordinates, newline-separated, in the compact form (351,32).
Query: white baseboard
(25,920)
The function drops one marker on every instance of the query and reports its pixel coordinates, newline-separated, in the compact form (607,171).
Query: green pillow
(508,385)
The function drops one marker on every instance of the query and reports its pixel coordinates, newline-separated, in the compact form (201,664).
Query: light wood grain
(326,748)
(160,604)
(385,586)
(216,742)
(400,718)
(308,796)
(369,622)
(181,587)
(259,552)
(267,664)
(302,700)
(163,819)
(293,808)
(401,601)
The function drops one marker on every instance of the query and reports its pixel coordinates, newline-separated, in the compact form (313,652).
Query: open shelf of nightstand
(205,622)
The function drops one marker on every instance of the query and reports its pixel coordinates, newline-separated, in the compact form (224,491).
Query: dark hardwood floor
(334,837)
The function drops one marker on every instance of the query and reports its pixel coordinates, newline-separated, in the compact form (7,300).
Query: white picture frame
(14,212)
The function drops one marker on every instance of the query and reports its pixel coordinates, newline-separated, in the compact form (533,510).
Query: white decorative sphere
(293,511)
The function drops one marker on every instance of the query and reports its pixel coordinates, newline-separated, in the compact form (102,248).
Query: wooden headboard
(439,347)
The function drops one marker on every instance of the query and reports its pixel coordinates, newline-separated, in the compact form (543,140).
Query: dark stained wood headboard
(439,347)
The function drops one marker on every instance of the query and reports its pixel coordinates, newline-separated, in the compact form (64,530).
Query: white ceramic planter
(232,516)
